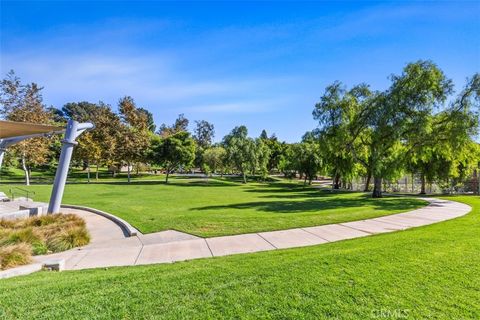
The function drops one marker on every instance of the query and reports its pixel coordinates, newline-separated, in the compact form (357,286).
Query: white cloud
(152,79)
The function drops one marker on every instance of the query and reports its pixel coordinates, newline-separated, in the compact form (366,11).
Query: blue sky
(261,64)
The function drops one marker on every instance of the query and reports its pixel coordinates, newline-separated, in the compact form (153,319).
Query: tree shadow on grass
(311,205)
(311,193)
(278,188)
(193,183)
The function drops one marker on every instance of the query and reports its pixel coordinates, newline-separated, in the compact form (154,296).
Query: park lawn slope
(426,272)
(220,207)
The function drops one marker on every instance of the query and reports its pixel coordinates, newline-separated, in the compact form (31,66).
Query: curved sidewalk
(110,247)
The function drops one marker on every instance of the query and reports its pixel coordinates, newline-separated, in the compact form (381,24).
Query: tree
(181,124)
(262,157)
(24,103)
(308,159)
(173,151)
(387,132)
(79,111)
(204,133)
(102,144)
(264,135)
(134,132)
(106,136)
(12,93)
(276,150)
(83,112)
(287,163)
(215,159)
(240,150)
(403,111)
(445,145)
(87,150)
(150,122)
(336,113)
(203,136)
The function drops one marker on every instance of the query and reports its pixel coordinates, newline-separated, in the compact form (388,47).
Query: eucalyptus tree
(203,134)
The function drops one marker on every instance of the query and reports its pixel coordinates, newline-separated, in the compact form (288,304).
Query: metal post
(2,153)
(63,164)
(73,130)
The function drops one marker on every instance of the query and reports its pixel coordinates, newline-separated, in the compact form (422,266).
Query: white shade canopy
(9,129)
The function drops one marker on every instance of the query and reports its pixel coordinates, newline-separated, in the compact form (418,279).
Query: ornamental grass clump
(22,238)
(15,255)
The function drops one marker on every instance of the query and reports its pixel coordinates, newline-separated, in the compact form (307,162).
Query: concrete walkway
(110,247)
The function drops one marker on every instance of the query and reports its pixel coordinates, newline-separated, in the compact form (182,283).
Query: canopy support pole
(73,130)
(2,153)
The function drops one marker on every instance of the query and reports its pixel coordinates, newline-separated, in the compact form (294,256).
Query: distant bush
(22,238)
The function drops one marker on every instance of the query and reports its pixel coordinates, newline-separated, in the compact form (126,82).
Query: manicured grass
(223,207)
(430,272)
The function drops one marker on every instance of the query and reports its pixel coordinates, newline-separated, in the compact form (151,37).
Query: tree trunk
(377,187)
(166,178)
(128,172)
(336,184)
(367,183)
(244,177)
(96,172)
(25,169)
(88,173)
(305,180)
(422,190)
(477,187)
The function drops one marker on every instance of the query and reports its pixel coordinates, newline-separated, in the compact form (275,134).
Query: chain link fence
(413,184)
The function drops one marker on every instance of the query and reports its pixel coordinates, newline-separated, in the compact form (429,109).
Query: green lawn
(430,272)
(223,207)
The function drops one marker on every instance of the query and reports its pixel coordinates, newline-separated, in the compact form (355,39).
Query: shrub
(15,255)
(29,235)
(40,235)
(68,238)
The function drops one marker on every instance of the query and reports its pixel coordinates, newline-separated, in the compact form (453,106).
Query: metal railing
(16,191)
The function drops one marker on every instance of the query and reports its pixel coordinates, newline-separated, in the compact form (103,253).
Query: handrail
(25,192)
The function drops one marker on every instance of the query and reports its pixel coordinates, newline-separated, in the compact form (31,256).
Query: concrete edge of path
(127,228)
(21,271)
